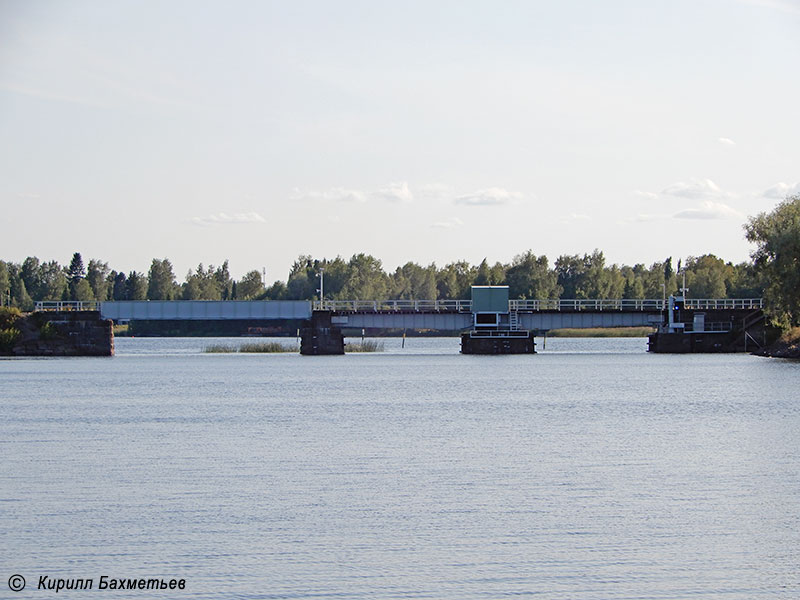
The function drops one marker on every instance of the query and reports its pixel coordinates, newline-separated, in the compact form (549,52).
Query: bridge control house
(495,328)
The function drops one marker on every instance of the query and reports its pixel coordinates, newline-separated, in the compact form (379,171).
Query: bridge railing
(594,305)
(644,305)
(66,305)
(586,304)
(394,305)
(724,303)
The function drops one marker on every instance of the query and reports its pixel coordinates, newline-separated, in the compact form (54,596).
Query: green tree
(80,290)
(529,277)
(484,274)
(31,274)
(53,282)
(277,291)
(337,272)
(366,279)
(497,274)
(19,294)
(224,281)
(707,276)
(76,269)
(136,286)
(446,284)
(97,275)
(5,285)
(414,282)
(120,288)
(302,284)
(161,281)
(203,284)
(250,286)
(777,259)
(569,271)
(634,288)
(745,282)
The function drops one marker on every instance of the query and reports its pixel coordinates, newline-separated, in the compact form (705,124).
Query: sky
(423,131)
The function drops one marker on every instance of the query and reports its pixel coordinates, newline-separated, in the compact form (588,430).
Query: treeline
(363,277)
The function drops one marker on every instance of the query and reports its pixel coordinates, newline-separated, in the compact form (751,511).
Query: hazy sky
(426,131)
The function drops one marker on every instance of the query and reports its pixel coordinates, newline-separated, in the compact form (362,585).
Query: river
(590,470)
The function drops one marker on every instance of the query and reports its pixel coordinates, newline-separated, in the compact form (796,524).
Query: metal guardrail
(729,303)
(644,305)
(66,305)
(393,305)
(586,304)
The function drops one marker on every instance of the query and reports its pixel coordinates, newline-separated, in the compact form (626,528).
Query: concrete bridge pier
(319,336)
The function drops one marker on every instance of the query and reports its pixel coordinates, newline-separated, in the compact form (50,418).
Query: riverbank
(787,346)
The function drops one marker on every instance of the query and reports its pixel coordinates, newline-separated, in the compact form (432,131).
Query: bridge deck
(581,305)
(451,315)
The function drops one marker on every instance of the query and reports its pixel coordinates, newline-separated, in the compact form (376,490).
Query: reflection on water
(591,470)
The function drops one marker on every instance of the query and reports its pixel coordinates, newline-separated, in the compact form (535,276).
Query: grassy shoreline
(603,332)
(252,348)
(278,347)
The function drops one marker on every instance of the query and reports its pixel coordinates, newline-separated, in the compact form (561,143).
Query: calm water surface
(591,470)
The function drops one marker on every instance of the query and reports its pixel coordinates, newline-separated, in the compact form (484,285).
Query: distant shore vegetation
(603,332)
(772,273)
(251,348)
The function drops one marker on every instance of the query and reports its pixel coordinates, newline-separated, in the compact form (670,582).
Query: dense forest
(529,276)
(363,277)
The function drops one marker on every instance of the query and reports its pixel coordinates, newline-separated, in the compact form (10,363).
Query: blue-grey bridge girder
(453,321)
(444,321)
(204,310)
(544,321)
(449,315)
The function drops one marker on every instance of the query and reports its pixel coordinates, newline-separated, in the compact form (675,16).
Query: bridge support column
(318,337)
(497,342)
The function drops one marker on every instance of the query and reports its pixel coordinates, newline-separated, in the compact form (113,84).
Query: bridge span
(490,323)
(444,315)
(534,315)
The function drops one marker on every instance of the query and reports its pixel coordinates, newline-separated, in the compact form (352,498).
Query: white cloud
(402,192)
(710,202)
(644,218)
(709,210)
(572,217)
(434,191)
(335,194)
(487,197)
(726,141)
(395,192)
(696,189)
(781,190)
(450,223)
(226,219)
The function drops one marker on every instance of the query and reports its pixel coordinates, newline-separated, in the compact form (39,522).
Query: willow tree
(777,259)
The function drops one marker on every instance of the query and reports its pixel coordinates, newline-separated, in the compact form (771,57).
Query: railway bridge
(442,315)
(489,323)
